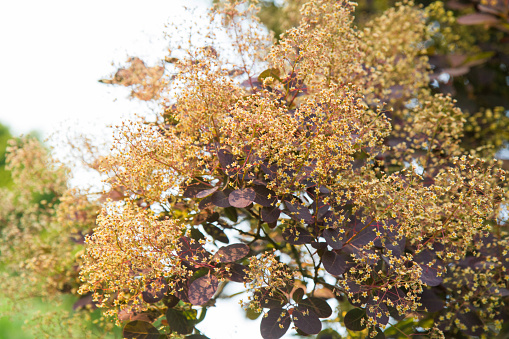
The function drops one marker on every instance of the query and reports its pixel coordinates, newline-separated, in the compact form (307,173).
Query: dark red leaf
(299,212)
(205,193)
(202,289)
(155,290)
(181,290)
(242,197)
(378,312)
(297,236)
(430,301)
(474,325)
(354,319)
(269,170)
(431,273)
(332,237)
(238,273)
(306,320)
(226,159)
(269,301)
(189,248)
(140,330)
(220,198)
(191,190)
(232,252)
(171,300)
(275,324)
(263,194)
(335,263)
(216,233)
(270,214)
(319,306)
(298,294)
(477,19)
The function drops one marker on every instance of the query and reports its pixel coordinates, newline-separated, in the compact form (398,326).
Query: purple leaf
(335,263)
(332,237)
(202,289)
(220,198)
(378,312)
(216,233)
(430,301)
(275,324)
(191,190)
(262,196)
(354,319)
(297,236)
(270,214)
(430,265)
(299,212)
(232,253)
(319,306)
(140,329)
(477,19)
(205,193)
(306,320)
(189,248)
(269,301)
(238,273)
(155,290)
(242,198)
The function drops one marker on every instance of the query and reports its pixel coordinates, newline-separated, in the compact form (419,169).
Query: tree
(321,166)
(337,168)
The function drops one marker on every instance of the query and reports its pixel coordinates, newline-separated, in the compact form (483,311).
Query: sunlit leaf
(202,289)
(140,330)
(232,252)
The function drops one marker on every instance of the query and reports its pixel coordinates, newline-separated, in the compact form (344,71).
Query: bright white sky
(53,53)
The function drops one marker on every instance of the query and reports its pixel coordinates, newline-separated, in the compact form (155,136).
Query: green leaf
(178,322)
(328,333)
(231,213)
(271,72)
(140,330)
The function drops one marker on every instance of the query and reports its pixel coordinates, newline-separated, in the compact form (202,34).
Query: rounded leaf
(178,322)
(319,306)
(155,290)
(335,263)
(232,253)
(355,320)
(206,193)
(306,320)
(140,329)
(220,198)
(216,233)
(238,273)
(202,289)
(270,214)
(297,236)
(242,198)
(298,294)
(332,237)
(275,323)
(269,301)
(378,312)
(264,196)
